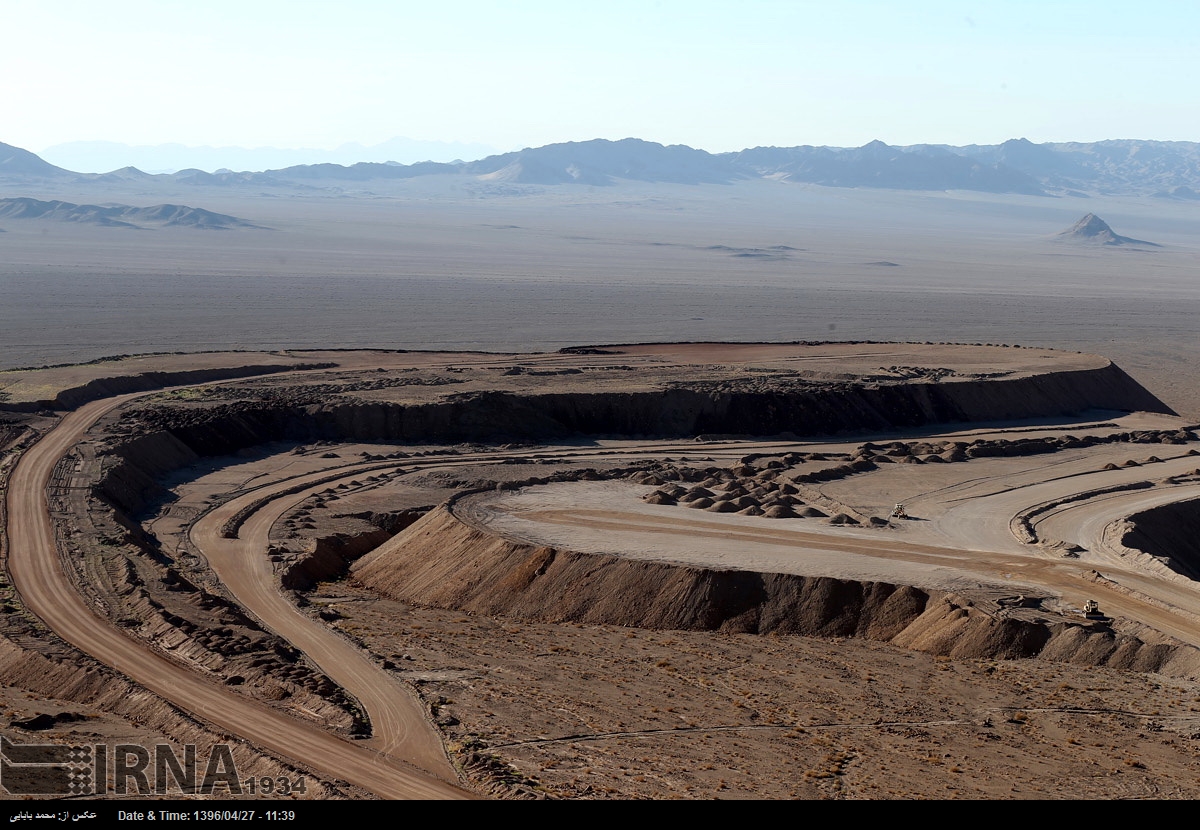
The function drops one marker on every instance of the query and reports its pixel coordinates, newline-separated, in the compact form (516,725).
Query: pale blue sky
(716,75)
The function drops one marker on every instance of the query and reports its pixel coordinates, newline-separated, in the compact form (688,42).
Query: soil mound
(480,573)
(442,562)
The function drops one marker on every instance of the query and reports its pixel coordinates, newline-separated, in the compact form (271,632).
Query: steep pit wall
(172,434)
(847,408)
(328,557)
(442,562)
(683,412)
(149,381)
(1170,532)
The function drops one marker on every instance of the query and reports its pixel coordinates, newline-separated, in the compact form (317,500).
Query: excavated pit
(152,440)
(440,563)
(148,442)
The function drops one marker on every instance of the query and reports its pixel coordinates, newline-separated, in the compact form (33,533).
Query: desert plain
(403,495)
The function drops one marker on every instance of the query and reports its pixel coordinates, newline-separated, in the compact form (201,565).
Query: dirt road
(398,724)
(39,578)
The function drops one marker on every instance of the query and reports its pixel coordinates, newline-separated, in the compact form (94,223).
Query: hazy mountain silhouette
(923,167)
(1128,167)
(1094,230)
(16,163)
(602,162)
(1039,161)
(1122,166)
(126,174)
(1179,192)
(119,216)
(364,171)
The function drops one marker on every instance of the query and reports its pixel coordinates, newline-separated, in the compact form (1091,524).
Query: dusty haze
(443,263)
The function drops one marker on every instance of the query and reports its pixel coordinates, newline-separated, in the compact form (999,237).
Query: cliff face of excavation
(685,412)
(164,437)
(442,562)
(1170,532)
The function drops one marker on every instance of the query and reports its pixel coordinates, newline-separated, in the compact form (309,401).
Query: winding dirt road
(398,725)
(38,576)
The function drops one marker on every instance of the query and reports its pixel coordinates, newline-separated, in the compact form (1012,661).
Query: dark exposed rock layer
(168,437)
(1172,532)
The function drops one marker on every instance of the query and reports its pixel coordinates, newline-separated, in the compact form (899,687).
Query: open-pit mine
(766,570)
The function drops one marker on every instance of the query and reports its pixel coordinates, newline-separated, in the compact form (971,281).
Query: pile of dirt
(444,563)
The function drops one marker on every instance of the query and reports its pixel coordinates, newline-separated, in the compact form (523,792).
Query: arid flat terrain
(644,571)
(462,264)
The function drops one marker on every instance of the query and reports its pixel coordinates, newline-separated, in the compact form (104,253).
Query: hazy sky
(516,73)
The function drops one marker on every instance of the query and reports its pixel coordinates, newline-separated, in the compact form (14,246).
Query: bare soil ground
(612,713)
(428,265)
(567,710)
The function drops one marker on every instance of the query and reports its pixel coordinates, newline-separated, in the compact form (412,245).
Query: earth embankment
(442,562)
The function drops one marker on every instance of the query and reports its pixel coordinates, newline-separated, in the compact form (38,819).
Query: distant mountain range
(120,216)
(1167,169)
